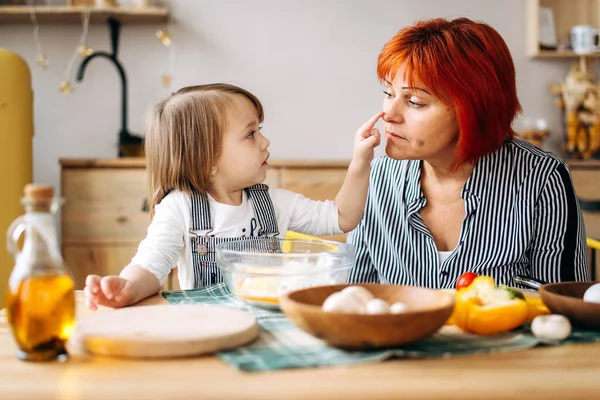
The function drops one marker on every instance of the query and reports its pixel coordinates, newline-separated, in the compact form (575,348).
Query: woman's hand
(109,291)
(366,139)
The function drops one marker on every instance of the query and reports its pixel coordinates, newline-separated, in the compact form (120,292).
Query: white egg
(398,307)
(340,302)
(377,306)
(592,294)
(551,328)
(360,293)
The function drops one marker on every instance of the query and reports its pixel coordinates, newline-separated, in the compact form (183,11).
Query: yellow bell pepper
(535,307)
(484,309)
(450,320)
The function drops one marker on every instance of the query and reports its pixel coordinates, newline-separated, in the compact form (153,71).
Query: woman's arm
(559,251)
(352,196)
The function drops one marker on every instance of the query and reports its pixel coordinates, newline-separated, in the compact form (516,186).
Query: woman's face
(418,126)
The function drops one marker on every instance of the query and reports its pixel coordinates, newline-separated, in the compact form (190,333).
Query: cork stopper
(38,197)
(38,192)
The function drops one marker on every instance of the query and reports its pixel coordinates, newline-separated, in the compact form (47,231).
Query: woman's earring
(213,173)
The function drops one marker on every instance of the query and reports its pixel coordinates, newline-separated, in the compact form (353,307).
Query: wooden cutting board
(164,331)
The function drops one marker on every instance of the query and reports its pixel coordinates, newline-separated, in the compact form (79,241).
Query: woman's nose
(391,113)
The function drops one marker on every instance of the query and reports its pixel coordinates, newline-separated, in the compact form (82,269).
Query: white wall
(311,62)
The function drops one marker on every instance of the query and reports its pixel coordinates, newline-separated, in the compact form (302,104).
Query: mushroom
(551,328)
(398,307)
(377,306)
(343,303)
(361,293)
(592,294)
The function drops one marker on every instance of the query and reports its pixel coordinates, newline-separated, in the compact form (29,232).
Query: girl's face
(244,155)
(418,126)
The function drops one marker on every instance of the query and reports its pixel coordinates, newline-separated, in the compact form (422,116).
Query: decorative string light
(165,39)
(81,50)
(40,58)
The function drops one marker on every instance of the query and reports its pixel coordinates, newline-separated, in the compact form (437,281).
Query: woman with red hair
(456,191)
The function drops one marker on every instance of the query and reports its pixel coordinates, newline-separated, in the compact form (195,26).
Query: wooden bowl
(428,310)
(566,298)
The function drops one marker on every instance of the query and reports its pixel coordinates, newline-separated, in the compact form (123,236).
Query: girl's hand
(109,291)
(366,139)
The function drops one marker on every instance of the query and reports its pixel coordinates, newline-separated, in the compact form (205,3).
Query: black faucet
(125,137)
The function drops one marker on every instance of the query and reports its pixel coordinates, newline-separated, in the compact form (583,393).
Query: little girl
(206,158)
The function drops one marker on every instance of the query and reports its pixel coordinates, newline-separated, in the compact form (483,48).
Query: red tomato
(465,280)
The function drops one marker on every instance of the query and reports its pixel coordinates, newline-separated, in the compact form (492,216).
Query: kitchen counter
(563,372)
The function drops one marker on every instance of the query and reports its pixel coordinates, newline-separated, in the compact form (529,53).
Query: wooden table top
(561,372)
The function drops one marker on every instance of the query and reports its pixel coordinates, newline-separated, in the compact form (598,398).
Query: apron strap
(206,271)
(263,207)
(200,212)
(261,202)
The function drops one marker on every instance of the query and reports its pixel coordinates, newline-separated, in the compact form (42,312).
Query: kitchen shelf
(567,13)
(72,14)
(561,54)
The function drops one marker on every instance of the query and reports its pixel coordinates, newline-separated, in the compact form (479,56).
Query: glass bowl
(260,271)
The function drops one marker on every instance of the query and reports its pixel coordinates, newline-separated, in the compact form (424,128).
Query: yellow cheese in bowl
(261,289)
(262,284)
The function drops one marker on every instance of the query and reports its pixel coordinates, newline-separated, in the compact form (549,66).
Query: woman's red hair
(469,67)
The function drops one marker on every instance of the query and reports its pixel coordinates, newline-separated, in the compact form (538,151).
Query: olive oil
(41,313)
(40,299)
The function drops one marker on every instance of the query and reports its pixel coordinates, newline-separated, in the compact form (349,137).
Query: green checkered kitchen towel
(283,345)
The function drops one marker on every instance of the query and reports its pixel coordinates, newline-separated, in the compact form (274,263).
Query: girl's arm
(144,283)
(133,285)
(157,254)
(352,196)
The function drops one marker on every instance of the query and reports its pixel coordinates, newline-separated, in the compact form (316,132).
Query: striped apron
(203,243)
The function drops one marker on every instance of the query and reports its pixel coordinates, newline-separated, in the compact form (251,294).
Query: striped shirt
(521,218)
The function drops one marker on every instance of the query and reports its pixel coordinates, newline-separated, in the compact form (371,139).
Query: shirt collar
(488,170)
(414,192)
(474,187)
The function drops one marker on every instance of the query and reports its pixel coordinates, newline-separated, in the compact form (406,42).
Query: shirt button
(444,273)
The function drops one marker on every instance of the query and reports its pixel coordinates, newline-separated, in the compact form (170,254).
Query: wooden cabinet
(586,180)
(567,13)
(105,214)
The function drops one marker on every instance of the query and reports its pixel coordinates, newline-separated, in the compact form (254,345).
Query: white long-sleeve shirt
(167,243)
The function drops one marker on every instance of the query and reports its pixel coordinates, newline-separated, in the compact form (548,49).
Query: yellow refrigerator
(16,137)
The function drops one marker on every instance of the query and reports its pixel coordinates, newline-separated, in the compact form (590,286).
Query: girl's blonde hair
(184,136)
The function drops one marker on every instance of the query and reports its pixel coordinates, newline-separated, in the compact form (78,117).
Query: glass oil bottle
(40,302)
